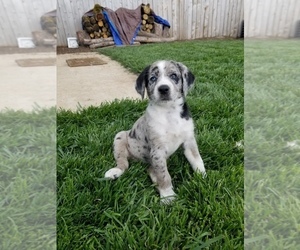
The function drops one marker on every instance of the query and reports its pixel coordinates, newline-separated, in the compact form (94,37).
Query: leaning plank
(96,41)
(102,44)
(144,39)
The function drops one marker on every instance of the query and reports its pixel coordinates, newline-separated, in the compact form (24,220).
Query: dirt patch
(44,49)
(81,49)
(16,50)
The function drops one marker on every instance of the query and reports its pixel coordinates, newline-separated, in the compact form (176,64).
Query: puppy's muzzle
(164,91)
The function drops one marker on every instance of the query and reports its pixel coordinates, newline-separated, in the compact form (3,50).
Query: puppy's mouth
(165,98)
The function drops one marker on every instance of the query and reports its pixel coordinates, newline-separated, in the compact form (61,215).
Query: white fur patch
(113,173)
(167,195)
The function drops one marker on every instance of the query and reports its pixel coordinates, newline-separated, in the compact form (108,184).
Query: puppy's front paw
(167,196)
(203,172)
(167,200)
(204,175)
(113,173)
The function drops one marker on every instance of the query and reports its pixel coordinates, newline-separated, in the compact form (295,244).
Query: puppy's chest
(170,127)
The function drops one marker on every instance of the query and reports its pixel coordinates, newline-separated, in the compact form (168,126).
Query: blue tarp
(113,29)
(162,21)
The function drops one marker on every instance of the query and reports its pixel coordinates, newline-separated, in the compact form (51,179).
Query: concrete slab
(21,88)
(92,85)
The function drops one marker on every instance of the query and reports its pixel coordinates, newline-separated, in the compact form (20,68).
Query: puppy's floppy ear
(142,82)
(187,78)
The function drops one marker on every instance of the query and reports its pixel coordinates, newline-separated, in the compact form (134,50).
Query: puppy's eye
(174,77)
(153,78)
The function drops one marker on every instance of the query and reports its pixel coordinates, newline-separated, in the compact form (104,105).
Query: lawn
(95,213)
(27,179)
(272,144)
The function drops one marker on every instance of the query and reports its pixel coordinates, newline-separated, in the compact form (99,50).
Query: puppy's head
(164,81)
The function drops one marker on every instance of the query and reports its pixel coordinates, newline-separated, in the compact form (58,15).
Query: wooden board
(78,62)
(36,62)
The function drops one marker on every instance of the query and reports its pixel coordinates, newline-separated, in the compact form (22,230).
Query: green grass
(27,179)
(272,121)
(94,213)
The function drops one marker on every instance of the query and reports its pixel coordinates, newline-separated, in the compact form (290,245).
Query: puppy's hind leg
(121,156)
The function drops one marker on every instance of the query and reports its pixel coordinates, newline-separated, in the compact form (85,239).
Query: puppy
(166,125)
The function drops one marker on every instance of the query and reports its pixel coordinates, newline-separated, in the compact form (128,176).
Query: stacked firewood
(147,19)
(48,23)
(95,25)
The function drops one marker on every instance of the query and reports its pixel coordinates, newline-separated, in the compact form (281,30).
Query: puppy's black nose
(163,89)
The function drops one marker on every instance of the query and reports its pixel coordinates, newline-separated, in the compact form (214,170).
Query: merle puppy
(164,127)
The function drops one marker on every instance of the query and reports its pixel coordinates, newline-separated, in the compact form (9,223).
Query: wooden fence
(18,18)
(189,19)
(270,18)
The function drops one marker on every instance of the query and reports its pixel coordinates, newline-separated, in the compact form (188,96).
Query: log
(85,19)
(146,9)
(93,20)
(145,16)
(81,35)
(99,16)
(143,33)
(100,23)
(96,27)
(144,39)
(150,19)
(42,37)
(144,22)
(89,29)
(102,44)
(87,24)
(90,41)
(97,34)
(117,46)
